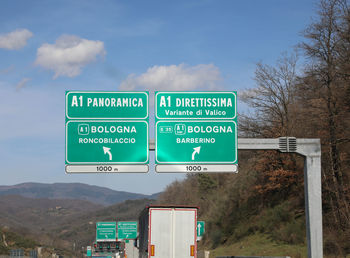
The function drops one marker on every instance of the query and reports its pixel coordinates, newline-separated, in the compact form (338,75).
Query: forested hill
(28,223)
(76,191)
(291,98)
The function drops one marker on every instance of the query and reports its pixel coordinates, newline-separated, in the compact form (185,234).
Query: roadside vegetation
(264,202)
(10,240)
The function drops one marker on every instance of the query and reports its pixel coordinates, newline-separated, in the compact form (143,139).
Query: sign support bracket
(310,149)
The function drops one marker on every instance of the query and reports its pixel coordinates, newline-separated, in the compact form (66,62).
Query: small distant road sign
(106,231)
(88,251)
(200,228)
(127,230)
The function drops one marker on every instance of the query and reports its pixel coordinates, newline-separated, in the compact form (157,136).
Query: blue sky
(48,47)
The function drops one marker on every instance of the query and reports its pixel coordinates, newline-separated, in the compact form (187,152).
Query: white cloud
(15,39)
(175,78)
(22,83)
(68,55)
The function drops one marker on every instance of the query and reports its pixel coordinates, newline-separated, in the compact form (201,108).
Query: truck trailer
(168,232)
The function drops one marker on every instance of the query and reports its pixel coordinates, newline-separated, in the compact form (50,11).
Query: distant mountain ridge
(60,222)
(95,194)
(18,211)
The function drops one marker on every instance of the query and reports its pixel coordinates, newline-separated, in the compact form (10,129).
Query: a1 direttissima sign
(106,132)
(196,131)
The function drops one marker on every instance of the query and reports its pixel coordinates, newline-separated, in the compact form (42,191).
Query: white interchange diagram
(196,151)
(107,150)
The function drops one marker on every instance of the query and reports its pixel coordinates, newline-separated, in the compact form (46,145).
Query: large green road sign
(106,105)
(196,142)
(106,132)
(127,230)
(106,142)
(106,231)
(196,105)
(196,131)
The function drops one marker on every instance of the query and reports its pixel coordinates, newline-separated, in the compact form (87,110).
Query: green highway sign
(196,142)
(106,231)
(106,105)
(196,131)
(106,132)
(88,251)
(106,142)
(196,105)
(200,228)
(127,230)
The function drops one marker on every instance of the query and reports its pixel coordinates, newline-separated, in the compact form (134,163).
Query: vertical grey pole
(313,205)
(311,150)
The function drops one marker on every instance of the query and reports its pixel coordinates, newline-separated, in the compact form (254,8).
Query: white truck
(168,232)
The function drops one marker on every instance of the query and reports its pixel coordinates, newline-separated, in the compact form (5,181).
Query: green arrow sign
(200,228)
(196,142)
(127,230)
(106,105)
(106,142)
(106,231)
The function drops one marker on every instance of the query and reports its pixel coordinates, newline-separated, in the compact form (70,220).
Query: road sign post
(196,131)
(106,132)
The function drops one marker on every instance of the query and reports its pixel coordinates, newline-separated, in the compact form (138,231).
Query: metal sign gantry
(311,150)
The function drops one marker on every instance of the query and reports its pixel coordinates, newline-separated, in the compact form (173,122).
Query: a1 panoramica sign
(196,131)
(106,132)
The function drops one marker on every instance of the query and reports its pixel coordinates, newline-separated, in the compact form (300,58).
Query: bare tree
(272,99)
(324,88)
